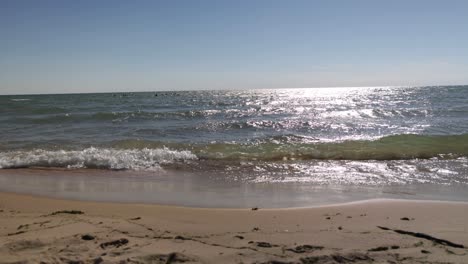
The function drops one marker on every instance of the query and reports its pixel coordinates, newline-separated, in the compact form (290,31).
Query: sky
(105,46)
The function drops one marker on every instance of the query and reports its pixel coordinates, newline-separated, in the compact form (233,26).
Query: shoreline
(38,229)
(175,188)
(331,205)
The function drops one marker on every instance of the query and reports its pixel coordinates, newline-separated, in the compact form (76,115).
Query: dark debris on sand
(87,237)
(335,258)
(425,236)
(351,258)
(378,249)
(115,243)
(67,212)
(174,257)
(182,238)
(16,233)
(304,248)
(262,244)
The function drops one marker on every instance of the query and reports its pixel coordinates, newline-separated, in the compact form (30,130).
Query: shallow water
(207,190)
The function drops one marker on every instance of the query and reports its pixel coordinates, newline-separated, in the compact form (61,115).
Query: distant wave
(257,118)
(20,99)
(53,115)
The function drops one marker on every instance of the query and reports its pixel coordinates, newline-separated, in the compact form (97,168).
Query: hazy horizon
(237,89)
(55,47)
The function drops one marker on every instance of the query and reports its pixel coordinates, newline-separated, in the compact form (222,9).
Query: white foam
(105,158)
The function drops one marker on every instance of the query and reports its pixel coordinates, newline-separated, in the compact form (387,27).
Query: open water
(368,137)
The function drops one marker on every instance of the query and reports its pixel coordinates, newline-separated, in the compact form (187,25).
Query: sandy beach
(243,132)
(43,230)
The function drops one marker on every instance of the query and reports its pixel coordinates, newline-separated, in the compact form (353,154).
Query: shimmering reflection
(346,172)
(327,114)
(206,190)
(289,146)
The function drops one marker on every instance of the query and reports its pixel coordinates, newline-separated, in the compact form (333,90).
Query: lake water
(273,148)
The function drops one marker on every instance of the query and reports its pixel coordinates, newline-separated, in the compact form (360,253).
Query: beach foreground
(34,230)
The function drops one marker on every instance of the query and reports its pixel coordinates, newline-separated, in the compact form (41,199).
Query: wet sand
(34,230)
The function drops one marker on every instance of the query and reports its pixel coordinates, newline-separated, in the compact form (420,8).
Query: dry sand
(378,231)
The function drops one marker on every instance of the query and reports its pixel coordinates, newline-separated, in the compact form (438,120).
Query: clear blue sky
(96,46)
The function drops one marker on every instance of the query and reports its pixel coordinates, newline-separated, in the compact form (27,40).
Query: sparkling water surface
(350,142)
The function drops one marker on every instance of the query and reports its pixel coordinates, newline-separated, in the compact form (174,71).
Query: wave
(398,147)
(376,113)
(149,155)
(20,99)
(99,158)
(57,115)
(295,147)
(230,118)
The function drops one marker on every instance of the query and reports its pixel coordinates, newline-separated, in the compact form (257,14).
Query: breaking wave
(149,155)
(99,158)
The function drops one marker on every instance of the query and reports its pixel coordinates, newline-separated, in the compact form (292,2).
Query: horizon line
(239,89)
